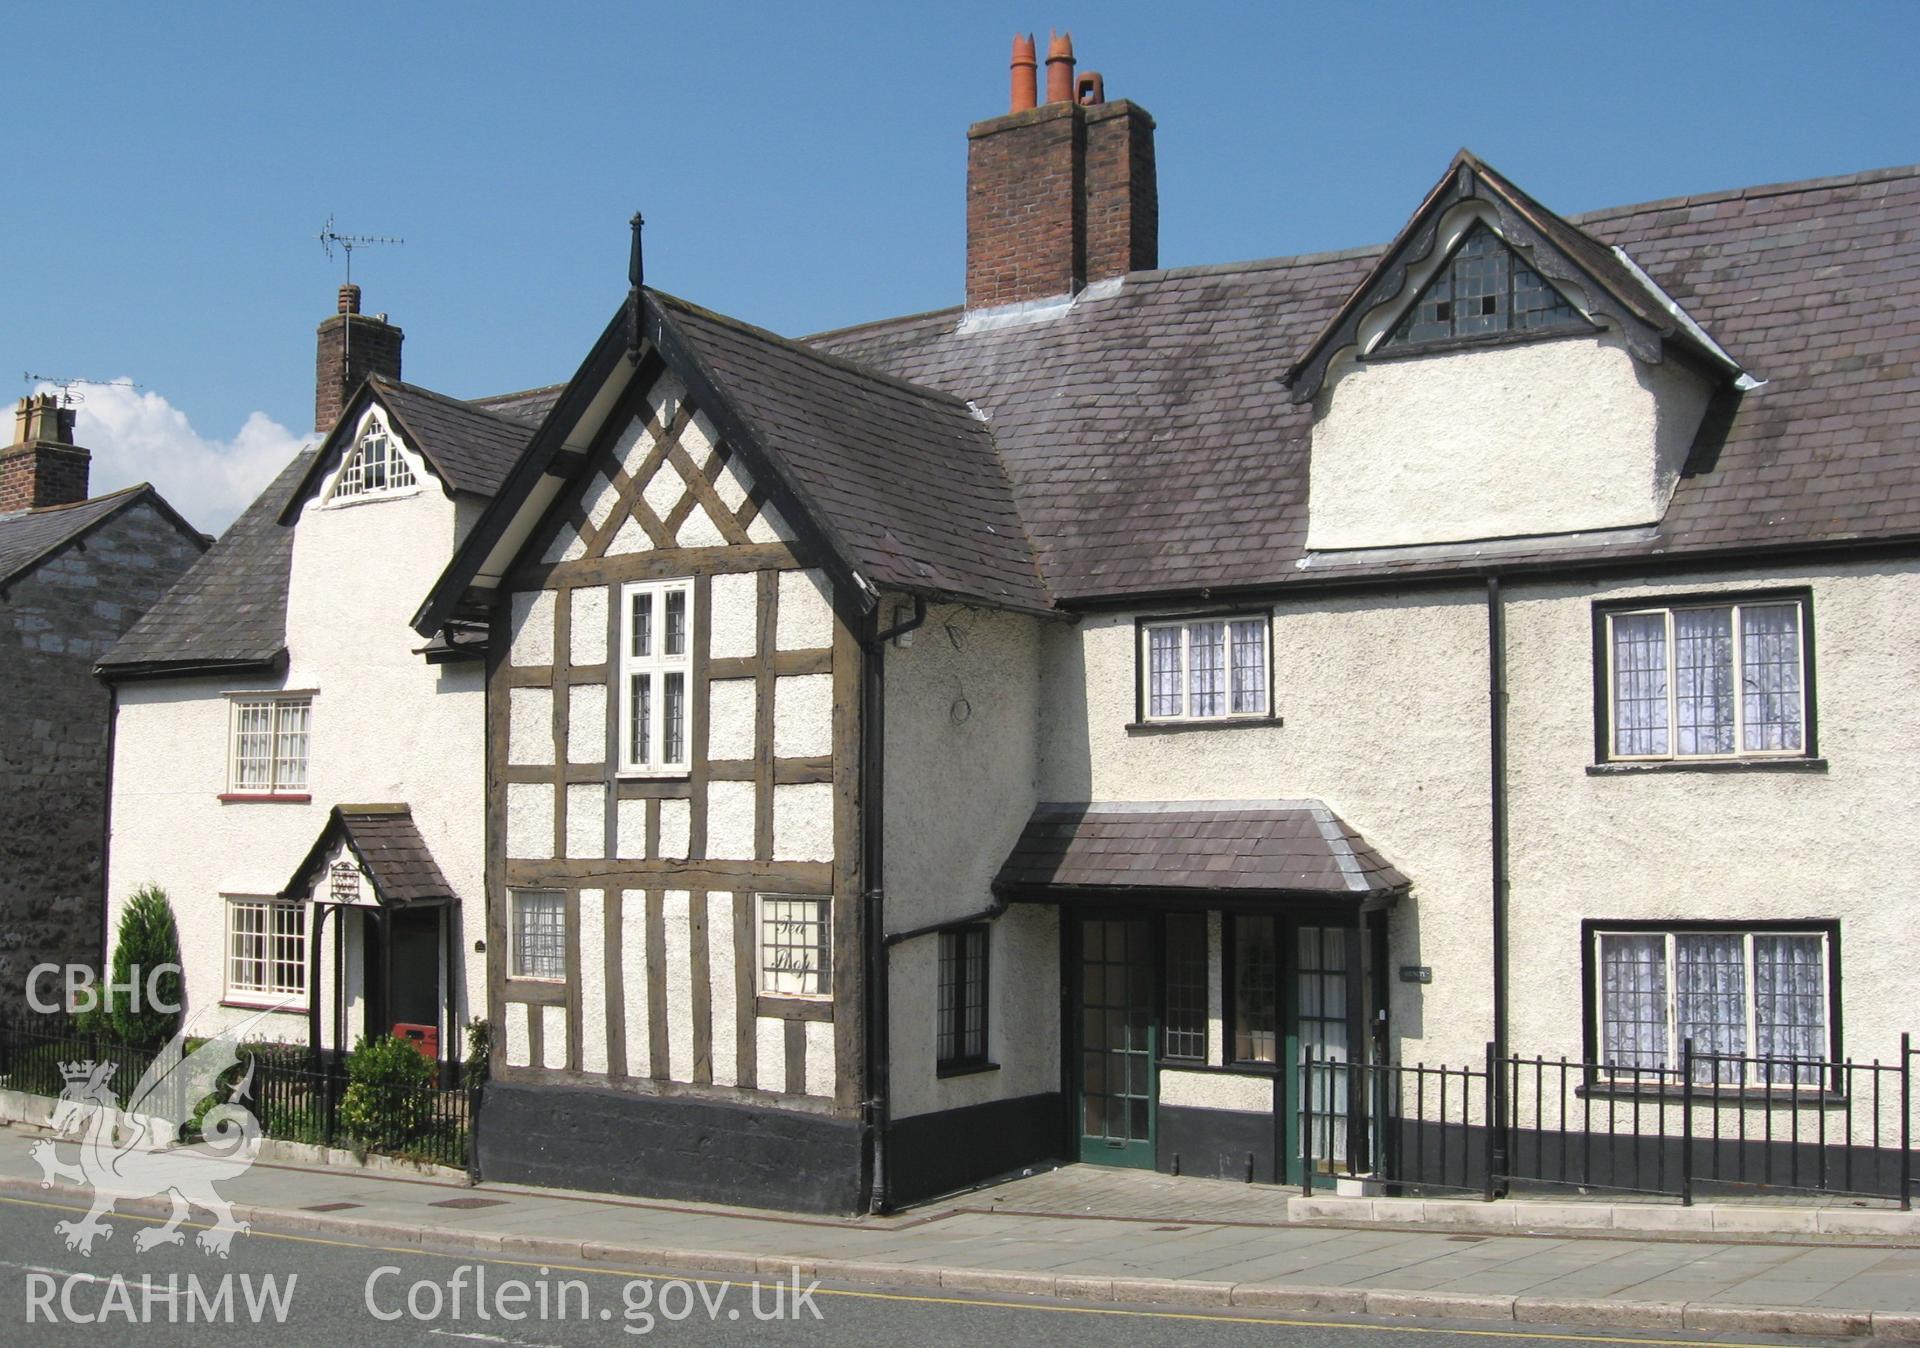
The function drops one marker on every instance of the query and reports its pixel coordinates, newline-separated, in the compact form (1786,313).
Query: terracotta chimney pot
(1025,74)
(1060,68)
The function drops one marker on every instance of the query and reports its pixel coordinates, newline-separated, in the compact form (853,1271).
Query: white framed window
(1725,679)
(796,946)
(656,677)
(375,466)
(1206,668)
(1756,1004)
(270,736)
(266,950)
(537,934)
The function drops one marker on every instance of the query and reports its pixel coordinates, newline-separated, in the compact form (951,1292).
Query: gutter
(878,1036)
(1497,738)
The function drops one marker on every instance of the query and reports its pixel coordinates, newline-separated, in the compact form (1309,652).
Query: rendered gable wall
(386,727)
(1556,436)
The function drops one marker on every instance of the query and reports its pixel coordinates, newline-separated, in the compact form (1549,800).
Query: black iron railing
(294,1097)
(1713,1124)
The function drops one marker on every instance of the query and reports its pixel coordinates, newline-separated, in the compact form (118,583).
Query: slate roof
(28,536)
(391,851)
(1273,848)
(1153,447)
(230,608)
(529,406)
(906,478)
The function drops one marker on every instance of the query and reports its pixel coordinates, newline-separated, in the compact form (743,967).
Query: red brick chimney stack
(1061,195)
(1025,81)
(42,467)
(351,346)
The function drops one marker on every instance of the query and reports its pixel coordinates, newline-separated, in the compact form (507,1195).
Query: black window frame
(973,942)
(1593,928)
(1230,984)
(1604,758)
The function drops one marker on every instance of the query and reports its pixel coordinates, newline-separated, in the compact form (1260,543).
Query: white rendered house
(291,764)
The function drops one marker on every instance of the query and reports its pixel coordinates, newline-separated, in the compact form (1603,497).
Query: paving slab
(1110,1237)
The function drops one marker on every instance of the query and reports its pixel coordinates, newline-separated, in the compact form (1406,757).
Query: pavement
(1087,1235)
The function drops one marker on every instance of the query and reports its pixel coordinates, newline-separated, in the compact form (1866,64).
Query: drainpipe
(873,742)
(1497,736)
(106,835)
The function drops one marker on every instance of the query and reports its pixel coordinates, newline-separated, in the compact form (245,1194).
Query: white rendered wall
(962,768)
(1383,699)
(1758,845)
(1554,436)
(386,727)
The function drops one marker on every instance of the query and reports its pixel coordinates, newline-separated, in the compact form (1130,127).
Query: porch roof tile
(1264,847)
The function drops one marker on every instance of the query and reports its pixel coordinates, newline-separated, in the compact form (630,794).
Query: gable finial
(636,278)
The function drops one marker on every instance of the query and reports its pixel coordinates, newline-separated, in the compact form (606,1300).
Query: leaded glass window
(796,946)
(1753,1003)
(1707,680)
(1484,288)
(961,1031)
(1205,669)
(539,934)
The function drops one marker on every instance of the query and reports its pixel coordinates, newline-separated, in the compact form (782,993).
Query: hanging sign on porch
(346,883)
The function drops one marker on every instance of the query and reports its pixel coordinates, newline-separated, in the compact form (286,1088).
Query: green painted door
(1116,1040)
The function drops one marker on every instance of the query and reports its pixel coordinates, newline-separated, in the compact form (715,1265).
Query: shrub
(389,1097)
(147,940)
(479,1051)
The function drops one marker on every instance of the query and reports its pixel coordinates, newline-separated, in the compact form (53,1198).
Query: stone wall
(55,621)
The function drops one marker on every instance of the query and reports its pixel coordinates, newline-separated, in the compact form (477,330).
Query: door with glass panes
(1116,1039)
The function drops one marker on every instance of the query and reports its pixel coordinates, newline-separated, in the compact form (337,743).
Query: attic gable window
(1484,289)
(377,465)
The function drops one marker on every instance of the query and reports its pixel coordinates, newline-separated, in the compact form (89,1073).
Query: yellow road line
(927,1300)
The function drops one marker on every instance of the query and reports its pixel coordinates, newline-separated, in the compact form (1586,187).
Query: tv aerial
(331,238)
(68,387)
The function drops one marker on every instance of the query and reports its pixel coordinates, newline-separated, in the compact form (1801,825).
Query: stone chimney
(1061,195)
(351,346)
(42,467)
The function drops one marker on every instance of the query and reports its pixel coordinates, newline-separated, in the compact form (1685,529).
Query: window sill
(1217,723)
(665,775)
(1631,769)
(1780,1097)
(242,1004)
(793,1008)
(963,1069)
(265,798)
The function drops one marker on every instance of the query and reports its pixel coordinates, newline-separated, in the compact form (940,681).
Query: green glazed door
(1116,1040)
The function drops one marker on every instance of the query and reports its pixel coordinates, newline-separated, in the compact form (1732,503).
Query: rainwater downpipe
(873,740)
(1497,738)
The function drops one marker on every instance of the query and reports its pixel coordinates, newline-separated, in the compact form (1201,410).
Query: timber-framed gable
(661,873)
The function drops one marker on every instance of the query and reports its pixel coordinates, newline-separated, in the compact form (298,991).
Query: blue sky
(800,165)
